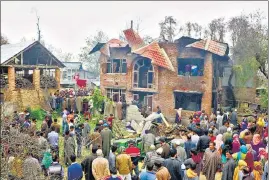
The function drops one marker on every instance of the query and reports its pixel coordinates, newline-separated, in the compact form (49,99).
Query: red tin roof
(133,39)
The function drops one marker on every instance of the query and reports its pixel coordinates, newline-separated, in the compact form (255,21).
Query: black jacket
(87,166)
(174,167)
(203,143)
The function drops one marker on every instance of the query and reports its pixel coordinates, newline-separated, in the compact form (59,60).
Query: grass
(56,115)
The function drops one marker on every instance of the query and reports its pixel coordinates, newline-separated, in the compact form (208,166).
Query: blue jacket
(75,172)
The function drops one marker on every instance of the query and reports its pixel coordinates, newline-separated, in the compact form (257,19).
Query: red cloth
(212,138)
(110,119)
(250,160)
(133,151)
(81,82)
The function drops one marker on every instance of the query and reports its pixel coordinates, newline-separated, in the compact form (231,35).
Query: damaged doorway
(144,99)
(143,74)
(188,100)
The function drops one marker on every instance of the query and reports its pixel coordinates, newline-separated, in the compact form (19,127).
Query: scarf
(256,139)
(196,158)
(257,171)
(235,144)
(240,166)
(191,174)
(218,141)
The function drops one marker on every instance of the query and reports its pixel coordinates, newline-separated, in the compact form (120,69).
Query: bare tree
(37,24)
(189,28)
(168,29)
(197,30)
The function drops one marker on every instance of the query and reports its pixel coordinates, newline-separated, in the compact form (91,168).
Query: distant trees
(4,40)
(168,29)
(91,61)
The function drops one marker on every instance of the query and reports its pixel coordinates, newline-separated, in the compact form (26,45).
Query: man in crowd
(173,165)
(56,170)
(69,148)
(149,174)
(112,157)
(166,148)
(106,140)
(45,127)
(211,161)
(87,164)
(134,153)
(78,132)
(74,171)
(100,166)
(56,125)
(31,167)
(86,132)
(203,143)
(162,172)
(223,129)
(124,165)
(229,167)
(188,145)
(181,153)
(53,139)
(147,140)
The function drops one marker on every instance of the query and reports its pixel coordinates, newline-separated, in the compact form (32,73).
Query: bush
(37,113)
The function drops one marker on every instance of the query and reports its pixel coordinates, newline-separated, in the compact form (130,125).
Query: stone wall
(24,98)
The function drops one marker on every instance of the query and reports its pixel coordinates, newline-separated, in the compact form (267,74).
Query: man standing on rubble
(147,140)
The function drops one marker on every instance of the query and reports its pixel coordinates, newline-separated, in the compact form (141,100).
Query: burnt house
(184,74)
(29,72)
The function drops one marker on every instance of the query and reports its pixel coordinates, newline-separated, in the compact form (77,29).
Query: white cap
(229,129)
(235,110)
(99,152)
(159,151)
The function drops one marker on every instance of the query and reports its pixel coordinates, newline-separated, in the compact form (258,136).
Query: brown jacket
(56,126)
(163,174)
(96,139)
(124,164)
(100,168)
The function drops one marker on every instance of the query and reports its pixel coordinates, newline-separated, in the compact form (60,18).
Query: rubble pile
(163,131)
(119,130)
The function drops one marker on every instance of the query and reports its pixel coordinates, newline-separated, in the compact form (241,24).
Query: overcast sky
(66,25)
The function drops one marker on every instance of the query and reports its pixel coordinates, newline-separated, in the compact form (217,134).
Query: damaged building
(187,73)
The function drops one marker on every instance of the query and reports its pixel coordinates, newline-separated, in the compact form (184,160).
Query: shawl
(249,158)
(191,174)
(256,139)
(260,122)
(257,171)
(212,162)
(240,166)
(235,143)
(218,141)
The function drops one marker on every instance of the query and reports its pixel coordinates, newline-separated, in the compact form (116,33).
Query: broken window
(144,99)
(143,74)
(188,101)
(115,94)
(190,66)
(116,66)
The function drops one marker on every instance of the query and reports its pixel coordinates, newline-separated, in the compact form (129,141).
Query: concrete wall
(165,81)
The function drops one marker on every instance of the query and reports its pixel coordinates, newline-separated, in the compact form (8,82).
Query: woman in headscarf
(250,157)
(235,143)
(239,167)
(244,124)
(241,155)
(218,141)
(257,171)
(256,145)
(260,125)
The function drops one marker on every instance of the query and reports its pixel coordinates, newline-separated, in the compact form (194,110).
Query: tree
(148,39)
(197,30)
(168,29)
(4,40)
(217,29)
(250,42)
(92,60)
(189,28)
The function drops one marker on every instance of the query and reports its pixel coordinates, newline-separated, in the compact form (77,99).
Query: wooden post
(11,78)
(36,78)
(58,77)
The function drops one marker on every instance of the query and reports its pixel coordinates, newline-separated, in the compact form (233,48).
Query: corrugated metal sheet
(157,55)
(72,65)
(214,47)
(133,39)
(97,47)
(10,50)
(112,43)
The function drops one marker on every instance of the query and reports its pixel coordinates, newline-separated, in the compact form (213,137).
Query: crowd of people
(212,144)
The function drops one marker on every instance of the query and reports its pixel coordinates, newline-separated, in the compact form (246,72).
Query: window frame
(109,69)
(191,60)
(137,63)
(112,92)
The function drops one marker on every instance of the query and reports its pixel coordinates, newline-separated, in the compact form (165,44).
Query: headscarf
(257,171)
(190,173)
(260,122)
(256,139)
(240,166)
(218,141)
(243,134)
(249,157)
(235,143)
(242,154)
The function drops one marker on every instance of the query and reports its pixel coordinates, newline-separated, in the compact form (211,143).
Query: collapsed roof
(154,52)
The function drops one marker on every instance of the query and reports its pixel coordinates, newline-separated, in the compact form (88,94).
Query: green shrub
(38,113)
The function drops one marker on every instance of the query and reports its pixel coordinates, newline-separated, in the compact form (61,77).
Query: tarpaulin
(81,82)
